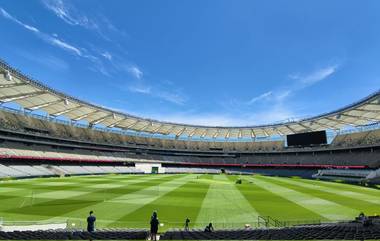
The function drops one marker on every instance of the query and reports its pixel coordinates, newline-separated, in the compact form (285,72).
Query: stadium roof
(34,95)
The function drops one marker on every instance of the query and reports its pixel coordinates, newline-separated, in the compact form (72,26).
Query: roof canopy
(33,95)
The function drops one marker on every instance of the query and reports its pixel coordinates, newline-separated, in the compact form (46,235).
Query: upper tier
(33,95)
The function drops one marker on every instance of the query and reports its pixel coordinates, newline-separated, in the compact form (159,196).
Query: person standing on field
(187,224)
(91,222)
(154,226)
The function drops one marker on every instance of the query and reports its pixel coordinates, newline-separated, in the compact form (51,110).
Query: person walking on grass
(154,222)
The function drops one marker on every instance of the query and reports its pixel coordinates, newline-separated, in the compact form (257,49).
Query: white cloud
(65,46)
(69,14)
(301,81)
(5,14)
(57,42)
(274,104)
(97,22)
(315,76)
(140,89)
(135,72)
(173,97)
(263,96)
(46,37)
(107,55)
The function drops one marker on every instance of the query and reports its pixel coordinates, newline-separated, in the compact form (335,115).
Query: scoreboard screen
(307,139)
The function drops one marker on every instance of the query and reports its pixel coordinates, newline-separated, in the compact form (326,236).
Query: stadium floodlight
(8,76)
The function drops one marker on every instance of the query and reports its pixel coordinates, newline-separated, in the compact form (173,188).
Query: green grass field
(128,200)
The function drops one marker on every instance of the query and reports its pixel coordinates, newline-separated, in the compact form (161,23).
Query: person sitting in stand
(209,228)
(361,216)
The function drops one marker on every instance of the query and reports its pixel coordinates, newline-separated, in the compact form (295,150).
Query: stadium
(189,120)
(55,171)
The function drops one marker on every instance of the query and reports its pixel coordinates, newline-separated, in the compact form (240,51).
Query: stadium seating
(357,176)
(39,125)
(32,137)
(109,234)
(353,231)
(192,170)
(58,170)
(356,139)
(338,231)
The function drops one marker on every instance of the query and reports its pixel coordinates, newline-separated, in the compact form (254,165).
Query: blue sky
(201,61)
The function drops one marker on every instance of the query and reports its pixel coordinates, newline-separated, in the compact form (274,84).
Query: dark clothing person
(154,226)
(91,223)
(209,228)
(187,224)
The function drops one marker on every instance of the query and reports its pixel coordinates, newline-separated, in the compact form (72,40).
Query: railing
(80,224)
(268,222)
(262,222)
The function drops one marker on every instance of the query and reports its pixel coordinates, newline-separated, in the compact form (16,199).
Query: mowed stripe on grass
(276,206)
(340,190)
(225,205)
(173,208)
(41,208)
(121,200)
(327,209)
(339,198)
(107,207)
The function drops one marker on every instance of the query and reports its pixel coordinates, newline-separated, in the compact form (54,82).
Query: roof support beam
(204,133)
(144,127)
(81,117)
(36,107)
(157,128)
(216,134)
(278,132)
(132,124)
(340,121)
(13,85)
(115,123)
(366,111)
(227,136)
(240,134)
(304,126)
(65,111)
(179,133)
(20,96)
(265,133)
(99,120)
(327,126)
(291,129)
(192,133)
(170,130)
(372,104)
(253,135)
(360,117)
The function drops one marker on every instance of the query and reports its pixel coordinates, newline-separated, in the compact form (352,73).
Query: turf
(129,200)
